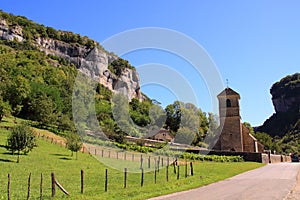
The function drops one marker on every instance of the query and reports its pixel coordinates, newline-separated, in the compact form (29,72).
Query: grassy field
(47,158)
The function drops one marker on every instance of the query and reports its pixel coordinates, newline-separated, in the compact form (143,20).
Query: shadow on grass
(58,154)
(8,153)
(6,160)
(64,158)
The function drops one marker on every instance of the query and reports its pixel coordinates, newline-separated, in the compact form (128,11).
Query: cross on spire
(227,82)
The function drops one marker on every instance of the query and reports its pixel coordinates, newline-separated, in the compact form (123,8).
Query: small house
(161,135)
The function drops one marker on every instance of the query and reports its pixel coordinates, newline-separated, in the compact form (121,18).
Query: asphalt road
(270,182)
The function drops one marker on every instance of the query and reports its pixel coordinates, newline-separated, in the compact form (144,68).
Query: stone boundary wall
(271,158)
(249,156)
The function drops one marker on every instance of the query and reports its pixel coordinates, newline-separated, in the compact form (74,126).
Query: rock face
(283,104)
(286,93)
(7,33)
(286,101)
(92,62)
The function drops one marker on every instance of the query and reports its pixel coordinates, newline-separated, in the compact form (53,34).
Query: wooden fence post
(28,186)
(8,186)
(168,161)
(95,152)
(177,172)
(149,162)
(82,181)
(132,157)
(155,176)
(41,187)
(124,155)
(167,173)
(142,178)
(106,177)
(158,163)
(102,152)
(192,170)
(141,162)
(125,177)
(174,168)
(162,161)
(186,173)
(53,184)
(109,153)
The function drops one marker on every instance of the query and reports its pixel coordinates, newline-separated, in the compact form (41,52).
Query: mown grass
(47,158)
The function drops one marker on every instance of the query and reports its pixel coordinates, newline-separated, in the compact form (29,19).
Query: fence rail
(84,180)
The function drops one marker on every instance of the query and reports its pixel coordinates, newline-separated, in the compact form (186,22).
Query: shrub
(21,138)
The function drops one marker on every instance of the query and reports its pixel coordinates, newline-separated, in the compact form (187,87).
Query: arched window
(228,103)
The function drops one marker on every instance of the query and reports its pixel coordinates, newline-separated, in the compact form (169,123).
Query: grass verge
(48,157)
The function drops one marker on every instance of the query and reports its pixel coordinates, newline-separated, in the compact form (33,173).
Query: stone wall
(271,158)
(264,158)
(231,136)
(248,156)
(248,141)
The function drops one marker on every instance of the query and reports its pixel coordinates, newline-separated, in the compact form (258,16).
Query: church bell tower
(231,138)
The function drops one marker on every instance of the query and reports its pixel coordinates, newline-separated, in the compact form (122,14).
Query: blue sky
(252,43)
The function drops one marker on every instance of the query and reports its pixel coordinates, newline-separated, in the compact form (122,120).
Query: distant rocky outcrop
(93,62)
(286,101)
(286,93)
(10,33)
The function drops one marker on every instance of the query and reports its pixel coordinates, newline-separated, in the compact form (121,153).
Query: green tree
(265,139)
(17,93)
(173,112)
(139,112)
(43,110)
(119,65)
(248,125)
(203,126)
(64,123)
(185,135)
(211,135)
(5,109)
(21,138)
(157,116)
(74,143)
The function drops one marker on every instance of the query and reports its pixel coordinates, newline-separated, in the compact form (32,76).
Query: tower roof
(229,92)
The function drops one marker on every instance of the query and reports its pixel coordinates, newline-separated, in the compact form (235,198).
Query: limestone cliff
(91,61)
(286,93)
(10,33)
(286,101)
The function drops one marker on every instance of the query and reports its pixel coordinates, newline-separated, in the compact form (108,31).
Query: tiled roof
(228,92)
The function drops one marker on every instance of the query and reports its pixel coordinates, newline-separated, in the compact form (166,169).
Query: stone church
(233,135)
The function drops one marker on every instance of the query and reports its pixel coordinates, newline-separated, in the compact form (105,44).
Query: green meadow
(48,157)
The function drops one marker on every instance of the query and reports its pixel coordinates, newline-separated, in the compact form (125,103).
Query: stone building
(161,135)
(233,135)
